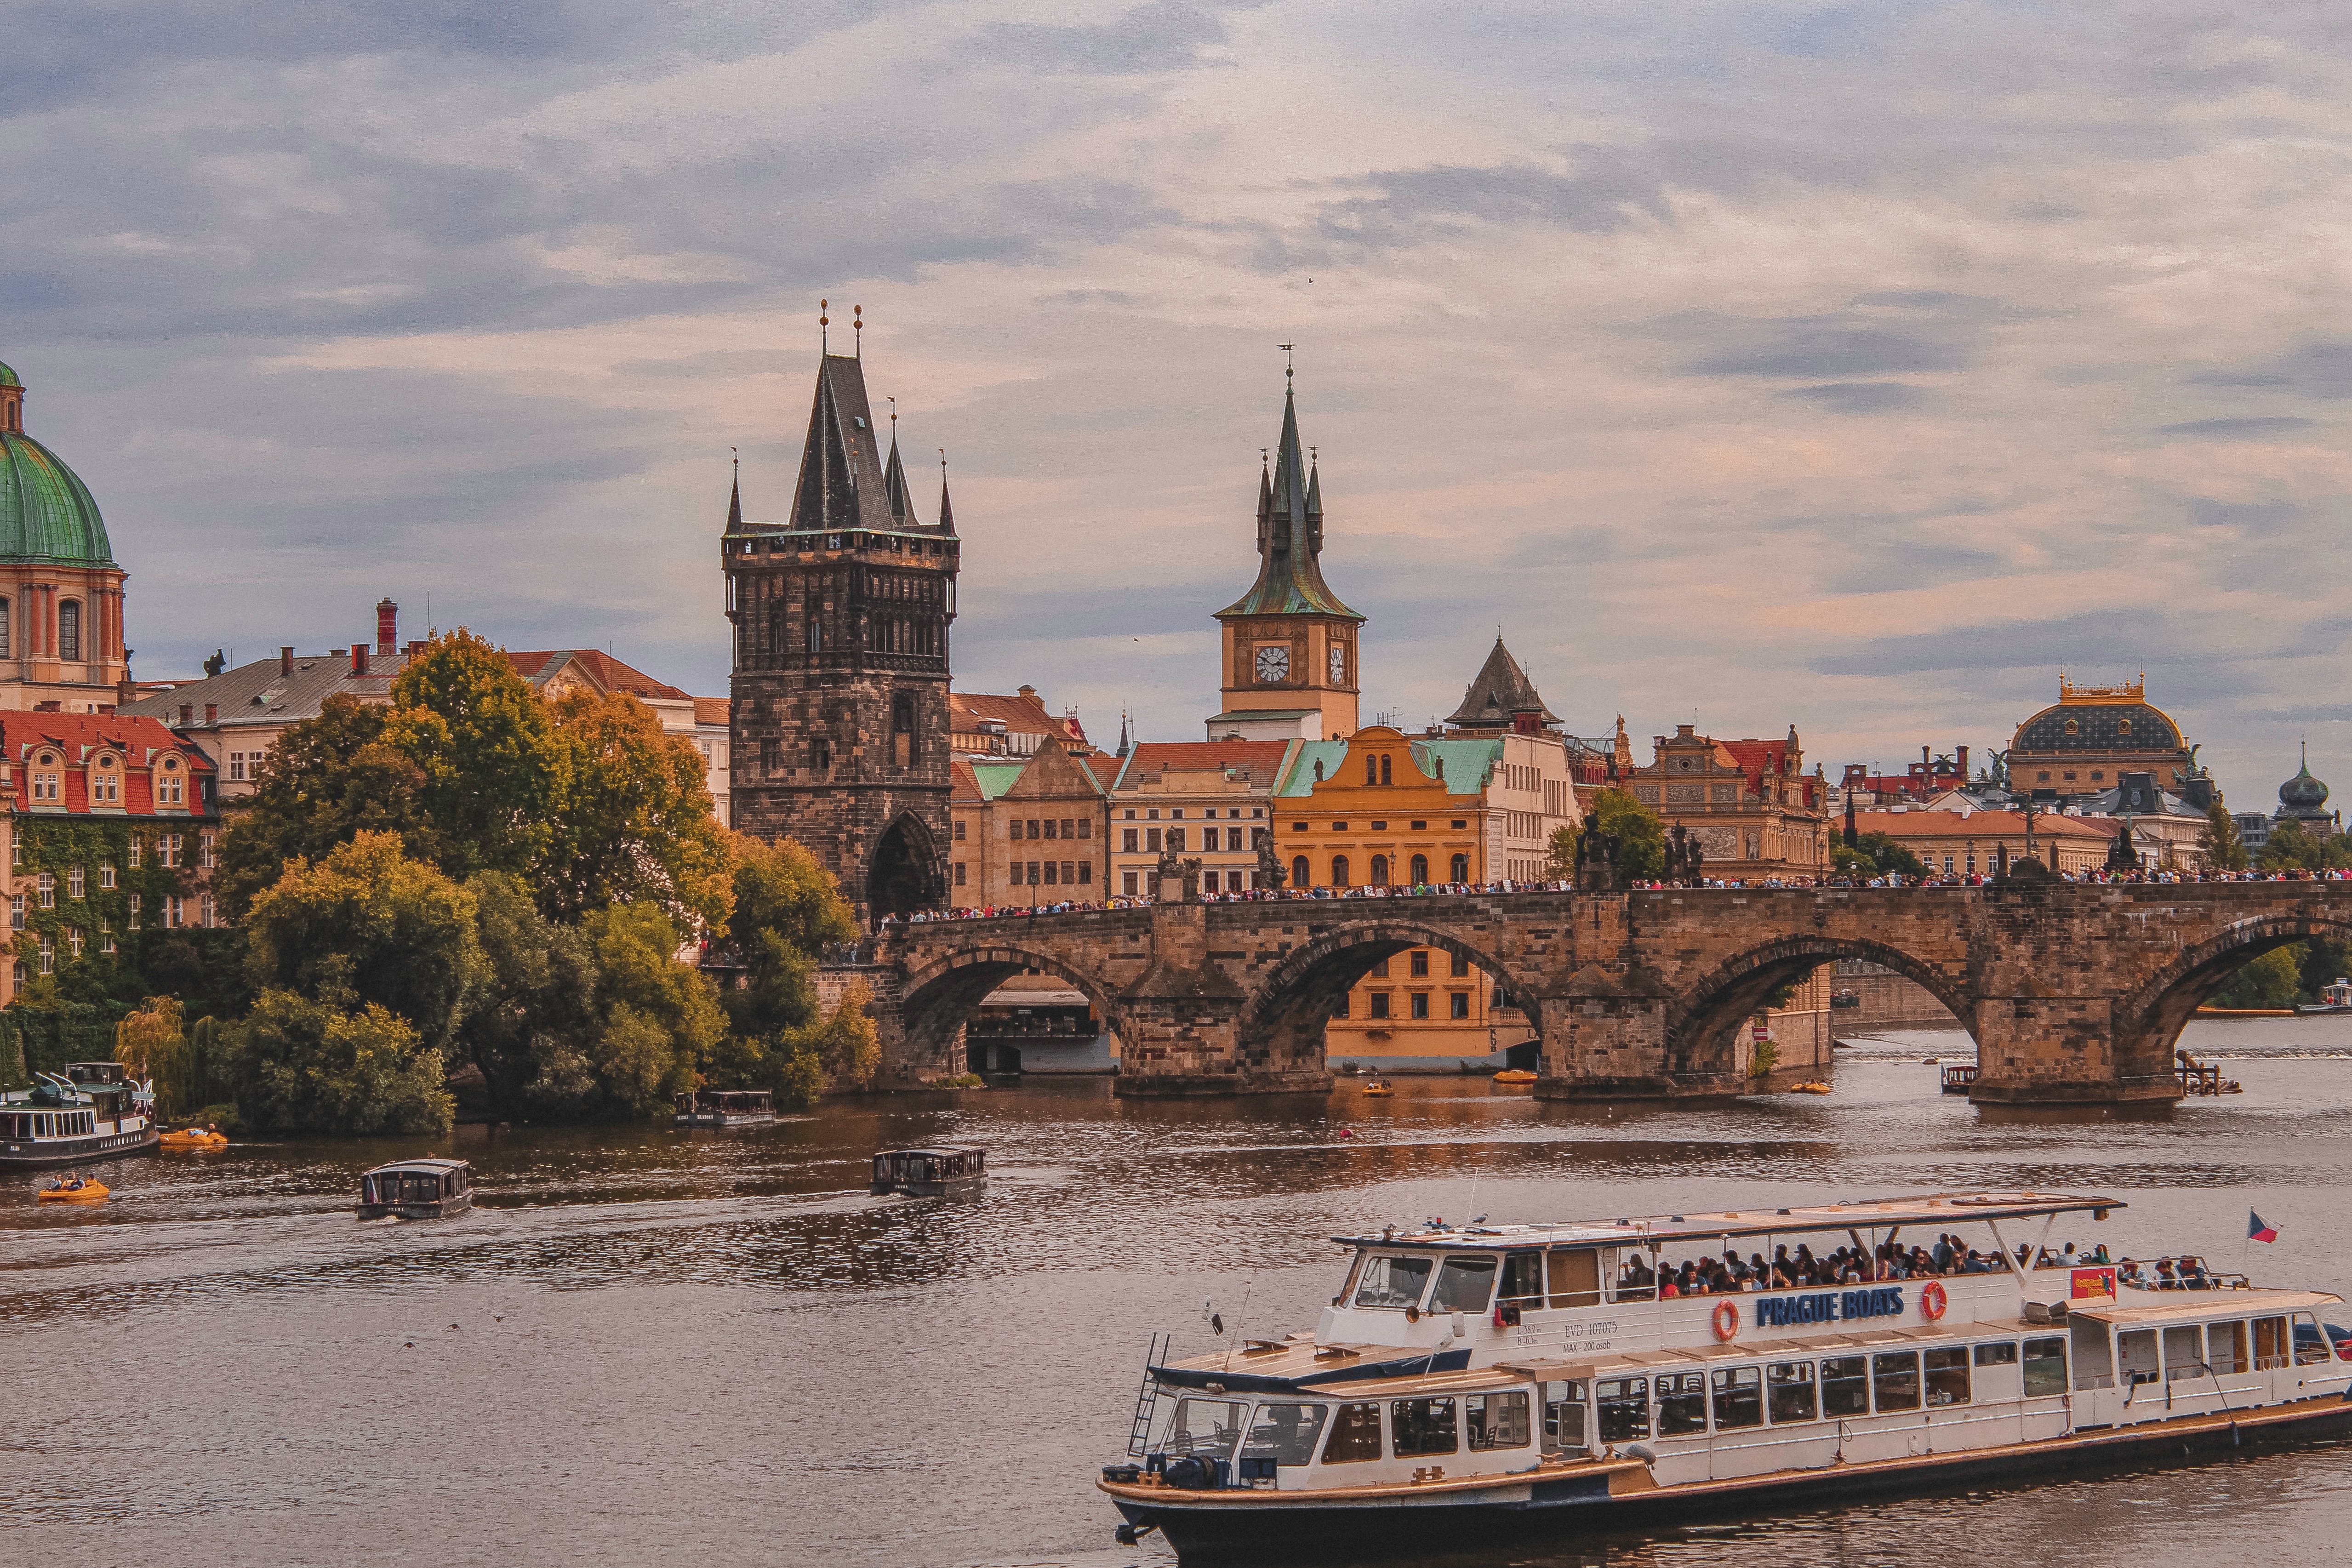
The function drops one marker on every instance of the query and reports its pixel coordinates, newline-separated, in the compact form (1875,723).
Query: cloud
(1160,35)
(2235,429)
(2316,370)
(1860,397)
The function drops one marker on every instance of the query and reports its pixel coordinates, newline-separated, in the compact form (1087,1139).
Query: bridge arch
(2149,1019)
(1282,1025)
(1701,1022)
(938,999)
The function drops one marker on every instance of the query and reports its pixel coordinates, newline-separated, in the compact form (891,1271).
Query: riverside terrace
(2074,992)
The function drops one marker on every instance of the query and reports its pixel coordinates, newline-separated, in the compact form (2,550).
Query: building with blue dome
(60,591)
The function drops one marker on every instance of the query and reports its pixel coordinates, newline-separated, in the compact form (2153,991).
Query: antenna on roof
(823,321)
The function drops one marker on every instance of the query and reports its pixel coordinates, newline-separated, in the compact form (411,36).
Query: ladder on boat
(1147,1398)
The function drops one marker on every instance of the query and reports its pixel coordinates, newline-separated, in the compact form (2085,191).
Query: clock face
(1274,664)
(1339,654)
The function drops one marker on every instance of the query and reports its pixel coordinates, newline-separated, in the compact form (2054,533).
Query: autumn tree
(494,771)
(327,780)
(635,822)
(2224,847)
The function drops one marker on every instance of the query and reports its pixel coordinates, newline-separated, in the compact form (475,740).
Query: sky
(1854,367)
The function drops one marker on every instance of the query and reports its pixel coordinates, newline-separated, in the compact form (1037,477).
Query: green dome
(45,511)
(8,378)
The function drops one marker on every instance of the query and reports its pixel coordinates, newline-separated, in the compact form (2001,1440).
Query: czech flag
(2256,1230)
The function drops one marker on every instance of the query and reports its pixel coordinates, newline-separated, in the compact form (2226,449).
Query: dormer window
(105,782)
(47,785)
(2123,726)
(170,788)
(2073,728)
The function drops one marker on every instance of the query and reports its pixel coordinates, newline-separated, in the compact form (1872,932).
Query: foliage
(205,970)
(487,743)
(327,780)
(848,1042)
(1640,837)
(637,821)
(2291,848)
(786,907)
(2224,849)
(1766,1056)
(63,847)
(333,1064)
(1889,856)
(1849,861)
(1559,854)
(205,1074)
(660,1018)
(369,920)
(534,1007)
(2270,981)
(151,1044)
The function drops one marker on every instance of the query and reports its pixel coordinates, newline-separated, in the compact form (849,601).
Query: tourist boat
(1515,1075)
(81,1189)
(929,1173)
(725,1108)
(89,1112)
(416,1189)
(1959,1077)
(192,1138)
(1475,1382)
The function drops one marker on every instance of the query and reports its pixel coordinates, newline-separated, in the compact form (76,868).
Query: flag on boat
(2256,1230)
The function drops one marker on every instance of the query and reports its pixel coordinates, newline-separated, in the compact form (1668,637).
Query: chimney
(1925,755)
(211,713)
(187,714)
(358,658)
(1962,754)
(387,627)
(285,660)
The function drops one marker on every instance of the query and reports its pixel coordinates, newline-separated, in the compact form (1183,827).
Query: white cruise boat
(1472,1383)
(91,1110)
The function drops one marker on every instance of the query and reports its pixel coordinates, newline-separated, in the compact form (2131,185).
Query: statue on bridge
(1596,861)
(1269,865)
(1685,861)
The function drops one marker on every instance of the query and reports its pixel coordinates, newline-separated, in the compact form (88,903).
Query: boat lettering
(1585,1330)
(1831,1307)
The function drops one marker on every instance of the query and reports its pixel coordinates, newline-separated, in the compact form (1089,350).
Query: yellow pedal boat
(1379,1086)
(1515,1075)
(87,1192)
(1809,1088)
(193,1138)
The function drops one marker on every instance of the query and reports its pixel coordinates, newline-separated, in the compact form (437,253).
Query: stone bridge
(2073,993)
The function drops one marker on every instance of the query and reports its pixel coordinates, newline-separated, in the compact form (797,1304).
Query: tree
(2269,981)
(370,921)
(535,1007)
(660,1018)
(327,779)
(636,822)
(1849,861)
(1889,856)
(1640,837)
(2224,849)
(333,1064)
(493,767)
(786,908)
(1559,854)
(151,1044)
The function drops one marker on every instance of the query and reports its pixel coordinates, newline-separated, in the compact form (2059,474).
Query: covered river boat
(929,1173)
(725,1108)
(91,1110)
(416,1189)
(1476,1382)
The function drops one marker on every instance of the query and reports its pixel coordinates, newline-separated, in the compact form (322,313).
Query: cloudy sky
(1851,366)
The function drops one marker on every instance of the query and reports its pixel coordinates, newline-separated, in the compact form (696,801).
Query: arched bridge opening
(2149,1020)
(1284,1028)
(939,1003)
(1704,1024)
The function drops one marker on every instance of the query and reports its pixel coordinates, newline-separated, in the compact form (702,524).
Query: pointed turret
(1290,534)
(735,505)
(947,509)
(1125,742)
(841,483)
(894,480)
(1501,697)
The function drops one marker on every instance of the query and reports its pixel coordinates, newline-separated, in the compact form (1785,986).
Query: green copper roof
(8,378)
(45,511)
(1289,537)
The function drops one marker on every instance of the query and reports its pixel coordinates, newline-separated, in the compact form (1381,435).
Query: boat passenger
(2165,1278)
(1942,1255)
(2067,1257)
(2099,1255)
(2193,1275)
(1976,1263)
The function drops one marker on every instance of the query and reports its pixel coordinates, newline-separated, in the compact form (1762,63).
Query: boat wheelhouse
(89,1112)
(725,1108)
(1472,1382)
(929,1173)
(416,1189)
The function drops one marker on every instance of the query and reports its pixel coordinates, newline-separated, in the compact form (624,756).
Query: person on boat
(2099,1256)
(1942,1256)
(2067,1257)
(2165,1278)
(1976,1263)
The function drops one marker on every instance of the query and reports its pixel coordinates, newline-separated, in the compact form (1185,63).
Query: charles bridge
(2075,993)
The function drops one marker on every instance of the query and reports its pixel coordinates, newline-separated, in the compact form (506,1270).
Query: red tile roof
(963,785)
(601,668)
(142,741)
(1025,714)
(711,710)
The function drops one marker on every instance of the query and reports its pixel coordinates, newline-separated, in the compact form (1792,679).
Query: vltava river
(656,1348)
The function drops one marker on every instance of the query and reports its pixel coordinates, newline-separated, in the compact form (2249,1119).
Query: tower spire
(894,473)
(947,507)
(735,499)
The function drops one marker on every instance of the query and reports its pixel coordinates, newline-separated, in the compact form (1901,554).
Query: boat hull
(725,1119)
(446,1207)
(928,1188)
(1565,1506)
(29,1154)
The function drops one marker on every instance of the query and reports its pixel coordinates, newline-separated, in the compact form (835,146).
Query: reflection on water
(652,1347)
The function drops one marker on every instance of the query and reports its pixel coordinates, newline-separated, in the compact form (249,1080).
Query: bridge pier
(1180,1022)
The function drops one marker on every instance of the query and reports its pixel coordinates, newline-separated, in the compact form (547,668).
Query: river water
(647,1347)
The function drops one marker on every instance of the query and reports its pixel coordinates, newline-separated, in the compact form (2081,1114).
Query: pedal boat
(192,1138)
(1378,1087)
(1515,1075)
(87,1192)
(1475,1384)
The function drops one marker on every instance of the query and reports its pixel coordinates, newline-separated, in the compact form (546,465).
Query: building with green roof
(60,591)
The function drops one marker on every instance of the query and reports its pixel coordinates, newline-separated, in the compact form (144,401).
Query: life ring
(1932,1301)
(1727,1321)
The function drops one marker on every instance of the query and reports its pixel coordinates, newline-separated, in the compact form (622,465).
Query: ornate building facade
(60,591)
(2093,737)
(838,721)
(1748,804)
(1289,647)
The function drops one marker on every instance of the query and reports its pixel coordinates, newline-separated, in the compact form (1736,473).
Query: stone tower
(838,712)
(1290,646)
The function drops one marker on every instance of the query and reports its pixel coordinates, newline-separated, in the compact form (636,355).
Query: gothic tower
(838,713)
(1290,646)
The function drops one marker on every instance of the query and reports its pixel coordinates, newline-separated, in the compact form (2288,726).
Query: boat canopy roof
(435,1166)
(2195,1306)
(938,1149)
(1877,1214)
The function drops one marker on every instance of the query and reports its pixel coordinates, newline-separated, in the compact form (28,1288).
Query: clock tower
(1290,647)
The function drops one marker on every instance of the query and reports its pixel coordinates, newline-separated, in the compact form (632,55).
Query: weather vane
(1285,349)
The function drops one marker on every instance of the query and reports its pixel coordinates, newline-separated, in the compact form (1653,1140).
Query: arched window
(5,648)
(779,634)
(1384,767)
(2073,728)
(1420,870)
(2123,726)
(1338,870)
(1461,868)
(69,629)
(1371,769)
(1299,877)
(1379,871)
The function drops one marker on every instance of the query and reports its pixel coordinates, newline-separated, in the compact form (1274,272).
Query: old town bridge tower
(838,711)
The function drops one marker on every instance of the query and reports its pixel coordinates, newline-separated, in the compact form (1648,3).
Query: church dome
(2302,795)
(45,511)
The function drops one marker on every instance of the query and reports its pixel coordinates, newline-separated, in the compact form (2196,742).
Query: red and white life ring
(1727,1320)
(1932,1300)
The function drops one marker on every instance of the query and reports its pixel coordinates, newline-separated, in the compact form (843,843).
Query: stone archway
(936,1002)
(2149,1021)
(1701,1024)
(903,875)
(1282,1027)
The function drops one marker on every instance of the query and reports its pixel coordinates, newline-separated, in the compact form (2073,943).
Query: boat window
(1208,1426)
(1424,1427)
(2225,1347)
(1355,1436)
(2270,1344)
(1845,1385)
(2310,1344)
(1355,1266)
(1497,1420)
(1523,1282)
(2002,1352)
(1391,1281)
(1285,1433)
(1894,1380)
(1625,1405)
(2135,1349)
(1682,1403)
(2184,1353)
(1464,1285)
(1947,1376)
(1575,1277)
(1788,1390)
(2045,1367)
(1563,1416)
(1739,1397)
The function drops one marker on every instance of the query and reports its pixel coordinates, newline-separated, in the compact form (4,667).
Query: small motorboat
(1815,1088)
(1379,1086)
(416,1189)
(1515,1075)
(928,1173)
(725,1108)
(193,1138)
(81,1189)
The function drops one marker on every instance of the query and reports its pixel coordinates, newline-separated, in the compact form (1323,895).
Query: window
(1384,767)
(2073,728)
(1379,1004)
(2123,726)
(1371,769)
(172,912)
(959,831)
(236,767)
(1299,873)
(4,651)
(1563,1416)
(1210,1426)
(1418,873)
(169,845)
(49,885)
(74,882)
(1497,1421)
(1457,1004)
(2045,1367)
(1424,1427)
(1286,1432)
(1421,1004)
(17,851)
(49,955)
(1355,1436)
(1788,1392)
(2270,1345)
(2004,1353)
(1894,1380)
(73,940)
(1048,825)
(1086,828)
(1338,870)
(170,789)
(1032,878)
(1948,1376)
(1390,1281)
(205,904)
(1739,1397)
(1461,868)
(105,936)
(1421,963)
(134,922)
(1523,1280)
(2225,1348)
(1682,1403)
(1464,1285)
(1127,840)
(69,630)
(2099,773)
(1127,881)
(1624,1409)
(1845,1385)
(1152,840)
(959,868)
(17,912)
